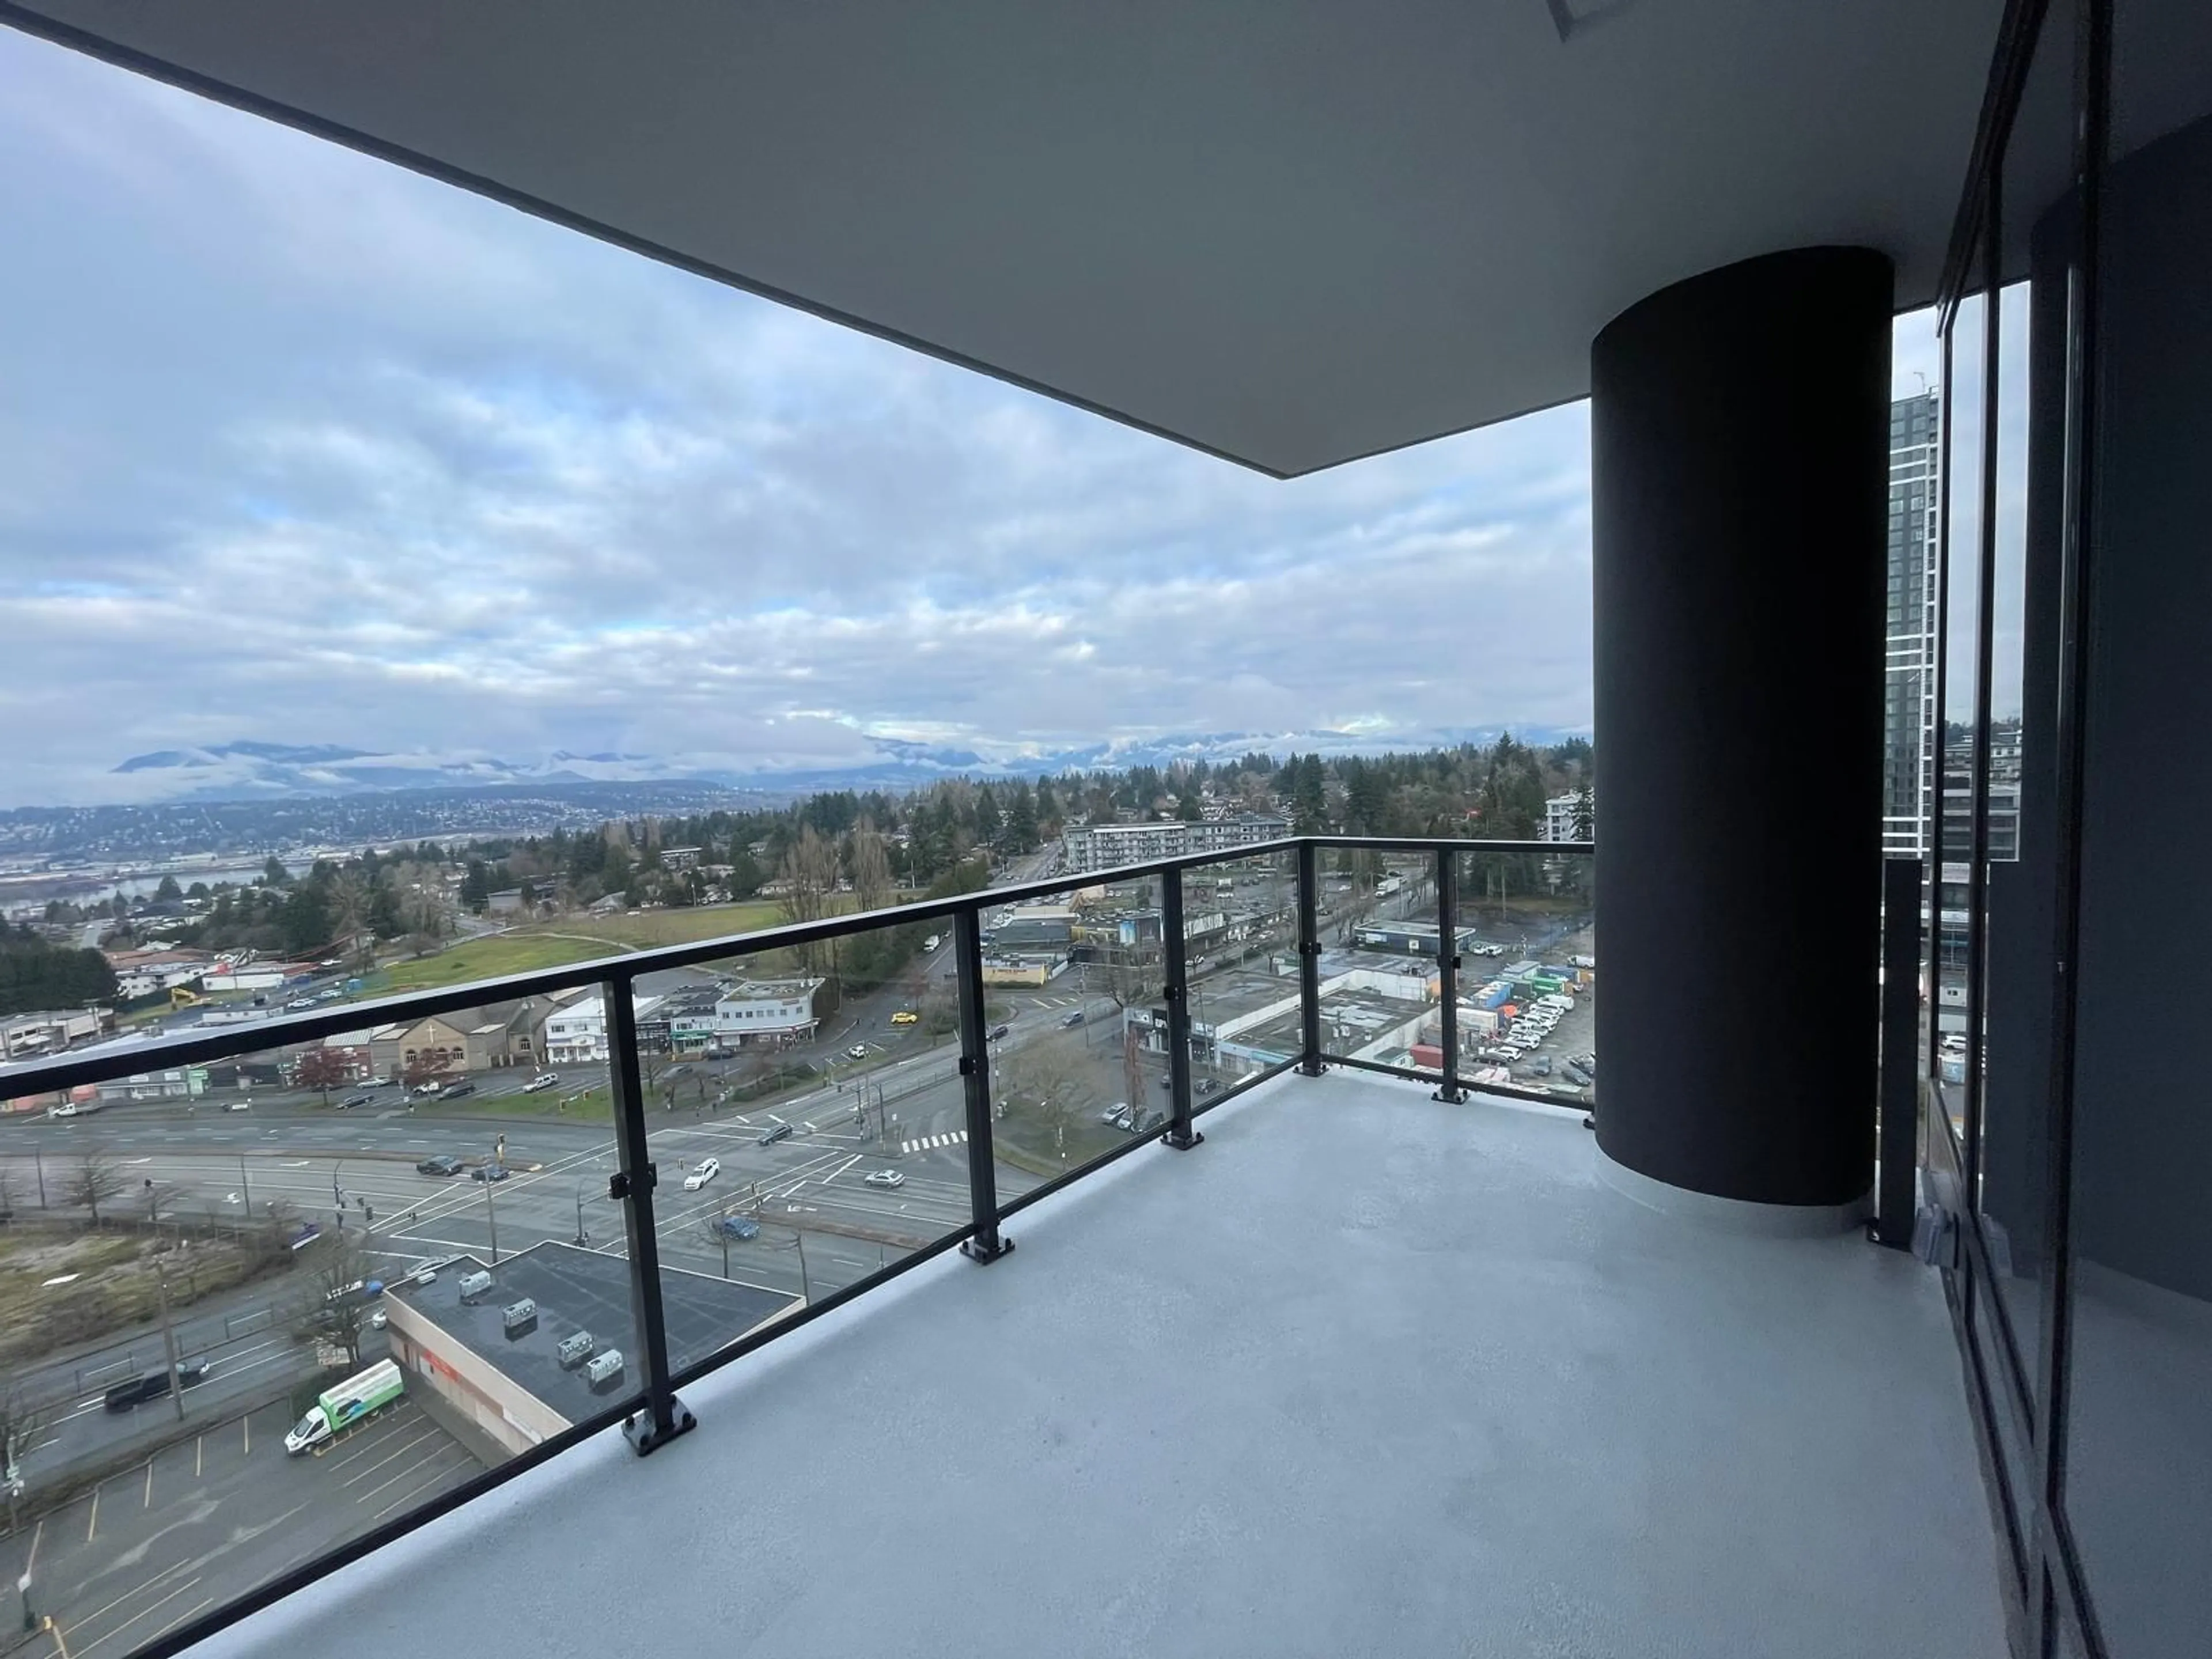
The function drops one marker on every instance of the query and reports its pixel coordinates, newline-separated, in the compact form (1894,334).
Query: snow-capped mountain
(267,771)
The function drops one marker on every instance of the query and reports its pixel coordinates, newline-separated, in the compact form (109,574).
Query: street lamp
(23,1588)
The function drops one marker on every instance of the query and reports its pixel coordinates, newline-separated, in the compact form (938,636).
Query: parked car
(1541,1065)
(1210,1085)
(886,1178)
(1074,1016)
(857,1051)
(239,1106)
(352,1101)
(455,1091)
(1575,1075)
(154,1385)
(542,1080)
(440,1165)
(782,1132)
(1112,1116)
(489,1172)
(431,1087)
(739,1227)
(906,1017)
(706,1170)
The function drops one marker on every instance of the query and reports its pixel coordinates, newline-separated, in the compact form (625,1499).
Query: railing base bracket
(1181,1143)
(639,1430)
(976,1249)
(1311,1068)
(1453,1097)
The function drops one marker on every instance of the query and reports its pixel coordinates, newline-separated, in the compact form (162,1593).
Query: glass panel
(1378,966)
(1528,1012)
(1240,959)
(294,1227)
(2017,918)
(1962,438)
(2139,1453)
(2013,1449)
(809,1120)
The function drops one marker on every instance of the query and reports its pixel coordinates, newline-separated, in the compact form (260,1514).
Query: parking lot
(207,1518)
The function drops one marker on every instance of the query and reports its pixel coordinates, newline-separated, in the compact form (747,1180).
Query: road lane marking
(419,1464)
(33,1560)
(189,1613)
(92,1525)
(200,1449)
(246,1424)
(407,1496)
(428,1432)
(139,1588)
(190,1584)
(149,1485)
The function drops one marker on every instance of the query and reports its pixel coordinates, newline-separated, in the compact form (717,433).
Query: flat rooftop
(1364,1373)
(578,1290)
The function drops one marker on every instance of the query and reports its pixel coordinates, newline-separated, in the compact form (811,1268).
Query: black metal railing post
(1309,958)
(664,1416)
(1447,972)
(986,1244)
(1899,1138)
(1181,1135)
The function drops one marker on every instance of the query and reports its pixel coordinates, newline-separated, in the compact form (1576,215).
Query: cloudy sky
(304,448)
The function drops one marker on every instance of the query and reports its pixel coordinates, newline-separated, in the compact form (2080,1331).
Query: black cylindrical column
(1739,427)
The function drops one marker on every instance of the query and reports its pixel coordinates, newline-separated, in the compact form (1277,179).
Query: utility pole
(491,1211)
(169,1339)
(245,1191)
(39,1158)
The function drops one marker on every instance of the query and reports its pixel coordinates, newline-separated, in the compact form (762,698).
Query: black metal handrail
(654,1415)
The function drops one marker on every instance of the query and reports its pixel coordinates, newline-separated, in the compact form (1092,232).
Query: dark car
(737,1226)
(440,1165)
(1542,1067)
(1074,1018)
(489,1172)
(997,1032)
(1210,1086)
(782,1132)
(154,1385)
(352,1101)
(455,1091)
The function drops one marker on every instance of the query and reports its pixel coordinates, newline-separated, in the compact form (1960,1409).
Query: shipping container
(1428,1057)
(1493,996)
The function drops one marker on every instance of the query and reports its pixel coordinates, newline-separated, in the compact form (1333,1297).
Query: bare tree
(337,1309)
(810,874)
(25,1413)
(348,914)
(872,868)
(1047,1087)
(162,1198)
(94,1180)
(322,1070)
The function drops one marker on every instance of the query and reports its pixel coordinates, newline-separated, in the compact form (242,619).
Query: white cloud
(306,448)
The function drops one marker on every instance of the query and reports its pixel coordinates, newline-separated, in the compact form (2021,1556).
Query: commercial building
(1090,846)
(509,1377)
(1908,715)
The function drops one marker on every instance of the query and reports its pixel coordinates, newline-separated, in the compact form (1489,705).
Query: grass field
(652,928)
(488,958)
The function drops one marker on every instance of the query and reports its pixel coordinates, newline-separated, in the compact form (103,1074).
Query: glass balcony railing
(357,1263)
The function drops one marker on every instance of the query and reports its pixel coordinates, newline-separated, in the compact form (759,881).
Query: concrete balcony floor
(1364,1374)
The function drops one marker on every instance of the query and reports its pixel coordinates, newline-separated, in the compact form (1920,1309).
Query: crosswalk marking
(931,1143)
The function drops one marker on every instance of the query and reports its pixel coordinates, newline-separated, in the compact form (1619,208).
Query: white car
(542,1080)
(241,1106)
(886,1178)
(707,1170)
(857,1051)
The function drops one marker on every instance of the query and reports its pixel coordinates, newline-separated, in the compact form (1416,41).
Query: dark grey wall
(1738,431)
(2142,1126)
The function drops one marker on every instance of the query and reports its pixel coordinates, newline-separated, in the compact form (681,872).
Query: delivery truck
(359,1397)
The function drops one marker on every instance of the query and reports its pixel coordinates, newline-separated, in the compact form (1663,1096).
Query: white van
(62,1108)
